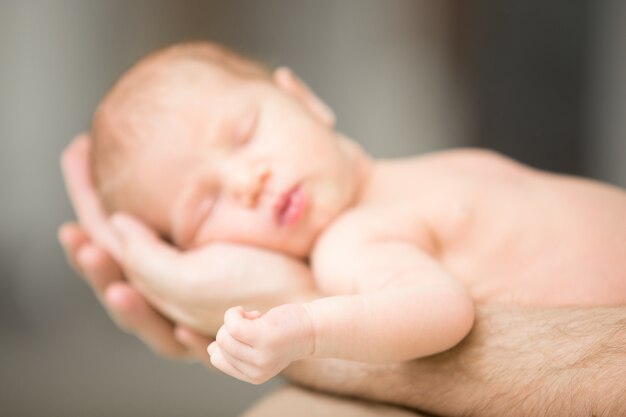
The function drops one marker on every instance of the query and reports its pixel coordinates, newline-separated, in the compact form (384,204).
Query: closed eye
(245,130)
(205,207)
(202,213)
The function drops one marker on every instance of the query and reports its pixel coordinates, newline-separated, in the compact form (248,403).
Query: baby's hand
(254,347)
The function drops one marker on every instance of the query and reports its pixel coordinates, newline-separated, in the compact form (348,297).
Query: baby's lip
(290,206)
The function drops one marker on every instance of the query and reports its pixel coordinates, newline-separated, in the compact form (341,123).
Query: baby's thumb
(252,315)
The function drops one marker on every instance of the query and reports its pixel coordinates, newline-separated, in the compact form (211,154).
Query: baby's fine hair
(123,121)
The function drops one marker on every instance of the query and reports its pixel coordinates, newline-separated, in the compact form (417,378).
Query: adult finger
(72,237)
(151,263)
(131,311)
(75,165)
(95,265)
(99,268)
(195,343)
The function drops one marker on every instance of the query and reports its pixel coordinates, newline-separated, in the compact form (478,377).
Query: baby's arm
(413,311)
(406,306)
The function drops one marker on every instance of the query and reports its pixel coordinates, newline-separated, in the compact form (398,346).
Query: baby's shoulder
(345,247)
(344,233)
(336,251)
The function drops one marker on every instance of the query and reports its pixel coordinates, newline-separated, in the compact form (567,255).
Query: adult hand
(126,306)
(196,287)
(88,249)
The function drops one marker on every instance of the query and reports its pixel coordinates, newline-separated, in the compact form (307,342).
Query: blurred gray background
(544,83)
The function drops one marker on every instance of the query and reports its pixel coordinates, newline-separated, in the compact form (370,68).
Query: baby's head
(205,145)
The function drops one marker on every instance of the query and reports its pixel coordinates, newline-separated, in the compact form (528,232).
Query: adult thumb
(146,257)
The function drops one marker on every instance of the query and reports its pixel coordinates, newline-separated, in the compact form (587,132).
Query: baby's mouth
(290,207)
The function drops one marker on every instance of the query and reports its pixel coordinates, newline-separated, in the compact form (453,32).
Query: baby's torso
(508,233)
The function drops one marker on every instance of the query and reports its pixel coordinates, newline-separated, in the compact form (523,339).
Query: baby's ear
(287,81)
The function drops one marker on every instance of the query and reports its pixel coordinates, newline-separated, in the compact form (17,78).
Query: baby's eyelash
(201,210)
(205,207)
(246,129)
(204,203)
(244,139)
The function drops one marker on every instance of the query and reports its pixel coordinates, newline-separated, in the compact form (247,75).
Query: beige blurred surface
(293,401)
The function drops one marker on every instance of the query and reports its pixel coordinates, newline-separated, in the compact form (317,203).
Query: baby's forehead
(187,66)
(162,94)
(170,101)
(207,95)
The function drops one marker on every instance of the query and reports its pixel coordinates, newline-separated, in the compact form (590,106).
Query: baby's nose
(251,184)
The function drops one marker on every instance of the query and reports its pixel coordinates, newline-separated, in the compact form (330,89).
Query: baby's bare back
(538,238)
(507,232)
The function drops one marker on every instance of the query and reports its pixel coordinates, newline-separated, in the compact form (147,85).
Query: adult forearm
(515,362)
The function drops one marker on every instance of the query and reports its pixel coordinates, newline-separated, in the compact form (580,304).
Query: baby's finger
(195,343)
(99,268)
(240,328)
(72,237)
(250,371)
(130,310)
(251,315)
(219,361)
(233,347)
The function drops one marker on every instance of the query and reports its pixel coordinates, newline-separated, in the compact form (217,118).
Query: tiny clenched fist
(254,347)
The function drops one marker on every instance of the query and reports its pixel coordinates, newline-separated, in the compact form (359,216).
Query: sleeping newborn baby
(205,145)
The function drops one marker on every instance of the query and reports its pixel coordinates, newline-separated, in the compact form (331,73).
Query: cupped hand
(124,303)
(88,248)
(196,287)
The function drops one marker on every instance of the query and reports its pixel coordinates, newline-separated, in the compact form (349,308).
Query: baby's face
(246,162)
